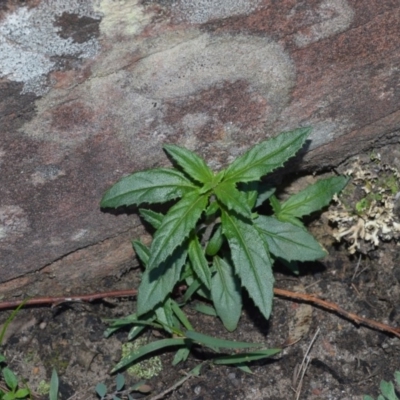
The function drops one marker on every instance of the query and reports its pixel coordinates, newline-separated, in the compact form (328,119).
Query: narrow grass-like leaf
(176,226)
(288,241)
(181,315)
(54,382)
(205,309)
(246,357)
(213,343)
(199,261)
(165,316)
(228,195)
(190,162)
(313,197)
(137,330)
(158,282)
(192,289)
(142,251)
(226,294)
(152,217)
(266,156)
(152,186)
(148,349)
(251,259)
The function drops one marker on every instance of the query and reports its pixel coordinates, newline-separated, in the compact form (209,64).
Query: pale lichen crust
(368,211)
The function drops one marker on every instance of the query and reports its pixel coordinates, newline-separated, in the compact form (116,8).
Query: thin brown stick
(54,301)
(327,305)
(302,297)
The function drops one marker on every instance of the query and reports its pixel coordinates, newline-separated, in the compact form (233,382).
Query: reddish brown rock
(90,91)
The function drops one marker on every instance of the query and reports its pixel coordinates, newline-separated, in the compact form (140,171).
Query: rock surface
(91,90)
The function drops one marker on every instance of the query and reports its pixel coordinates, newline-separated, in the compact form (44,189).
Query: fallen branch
(302,297)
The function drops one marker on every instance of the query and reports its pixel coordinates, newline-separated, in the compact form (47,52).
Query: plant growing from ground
(215,242)
(387,389)
(10,390)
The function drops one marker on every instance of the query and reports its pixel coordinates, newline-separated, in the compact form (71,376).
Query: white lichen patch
(374,217)
(330,18)
(13,223)
(145,369)
(29,41)
(202,11)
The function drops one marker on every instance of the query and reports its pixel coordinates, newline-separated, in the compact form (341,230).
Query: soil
(345,361)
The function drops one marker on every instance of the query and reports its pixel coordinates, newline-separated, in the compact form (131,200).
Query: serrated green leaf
(265,191)
(213,343)
(212,209)
(251,259)
(226,294)
(199,261)
(119,382)
(152,186)
(176,226)
(190,162)
(142,251)
(148,349)
(288,241)
(215,243)
(10,378)
(275,204)
(158,282)
(313,197)
(250,190)
(245,357)
(152,217)
(266,156)
(54,382)
(228,195)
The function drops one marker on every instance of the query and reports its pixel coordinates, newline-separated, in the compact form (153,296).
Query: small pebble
(42,325)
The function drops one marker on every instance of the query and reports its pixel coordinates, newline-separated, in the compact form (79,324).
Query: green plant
(11,389)
(120,390)
(387,389)
(214,241)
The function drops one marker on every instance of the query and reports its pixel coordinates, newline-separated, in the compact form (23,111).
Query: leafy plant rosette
(213,241)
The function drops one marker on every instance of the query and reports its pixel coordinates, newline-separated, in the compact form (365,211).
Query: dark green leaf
(265,191)
(250,190)
(148,349)
(176,226)
(226,294)
(142,251)
(199,262)
(288,241)
(213,343)
(54,382)
(190,162)
(158,282)
(313,197)
(151,186)
(215,243)
(266,156)
(152,217)
(228,195)
(275,204)
(165,316)
(212,209)
(246,357)
(251,259)
(181,355)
